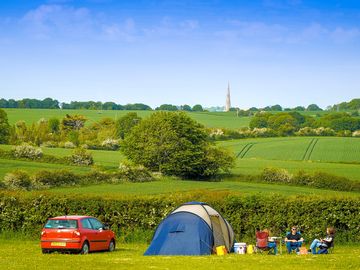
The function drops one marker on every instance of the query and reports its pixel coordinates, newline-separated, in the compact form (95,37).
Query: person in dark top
(323,243)
(293,240)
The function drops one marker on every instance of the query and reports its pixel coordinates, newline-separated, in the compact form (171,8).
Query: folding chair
(262,243)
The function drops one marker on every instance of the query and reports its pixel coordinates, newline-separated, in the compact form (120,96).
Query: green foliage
(312,213)
(174,144)
(167,107)
(17,180)
(54,125)
(313,108)
(81,157)
(27,151)
(73,122)
(276,175)
(48,179)
(4,127)
(185,108)
(134,173)
(125,123)
(197,108)
(46,103)
(316,179)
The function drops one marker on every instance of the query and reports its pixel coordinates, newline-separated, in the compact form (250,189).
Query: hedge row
(128,216)
(316,179)
(44,179)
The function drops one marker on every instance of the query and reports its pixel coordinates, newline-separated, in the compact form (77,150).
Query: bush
(173,144)
(276,175)
(49,144)
(129,216)
(356,133)
(316,179)
(48,179)
(69,145)
(82,157)
(17,180)
(110,144)
(27,151)
(133,173)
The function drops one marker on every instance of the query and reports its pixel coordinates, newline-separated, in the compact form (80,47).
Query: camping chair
(292,247)
(262,243)
(326,250)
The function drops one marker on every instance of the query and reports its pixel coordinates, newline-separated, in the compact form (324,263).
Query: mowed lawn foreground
(26,254)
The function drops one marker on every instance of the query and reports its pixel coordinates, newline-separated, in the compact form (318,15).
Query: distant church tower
(228,102)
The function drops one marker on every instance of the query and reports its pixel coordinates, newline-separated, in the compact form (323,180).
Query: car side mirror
(106,227)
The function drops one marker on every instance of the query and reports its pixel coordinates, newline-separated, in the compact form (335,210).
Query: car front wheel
(111,246)
(85,248)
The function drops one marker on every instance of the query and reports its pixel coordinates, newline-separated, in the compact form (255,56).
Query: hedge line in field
(27,213)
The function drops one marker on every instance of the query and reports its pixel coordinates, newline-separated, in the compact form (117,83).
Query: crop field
(172,186)
(213,119)
(130,256)
(7,165)
(339,156)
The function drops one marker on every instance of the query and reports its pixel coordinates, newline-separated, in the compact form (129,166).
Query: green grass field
(215,119)
(171,186)
(335,155)
(130,256)
(7,165)
(339,156)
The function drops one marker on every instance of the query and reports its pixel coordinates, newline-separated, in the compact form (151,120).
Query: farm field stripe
(312,148)
(307,148)
(247,150)
(242,150)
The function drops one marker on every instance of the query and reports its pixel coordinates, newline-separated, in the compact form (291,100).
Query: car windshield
(61,224)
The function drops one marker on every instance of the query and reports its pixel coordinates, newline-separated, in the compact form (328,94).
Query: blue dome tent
(194,228)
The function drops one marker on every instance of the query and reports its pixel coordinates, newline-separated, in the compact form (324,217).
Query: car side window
(96,224)
(86,223)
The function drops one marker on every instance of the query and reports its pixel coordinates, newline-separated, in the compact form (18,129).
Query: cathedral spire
(228,102)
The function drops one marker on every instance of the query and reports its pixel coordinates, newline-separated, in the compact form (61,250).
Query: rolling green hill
(213,119)
(339,156)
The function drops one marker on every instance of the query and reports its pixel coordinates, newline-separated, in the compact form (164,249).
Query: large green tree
(124,124)
(174,144)
(4,127)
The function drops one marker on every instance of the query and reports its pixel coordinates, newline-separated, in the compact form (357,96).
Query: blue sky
(287,52)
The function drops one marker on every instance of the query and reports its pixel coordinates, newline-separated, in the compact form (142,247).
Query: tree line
(287,123)
(49,103)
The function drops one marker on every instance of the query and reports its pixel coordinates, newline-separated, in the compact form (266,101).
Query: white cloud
(168,27)
(123,31)
(53,20)
(50,20)
(341,35)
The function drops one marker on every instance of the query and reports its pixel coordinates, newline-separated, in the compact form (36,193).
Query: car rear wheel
(45,251)
(111,246)
(85,248)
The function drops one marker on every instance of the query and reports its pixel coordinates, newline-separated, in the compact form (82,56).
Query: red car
(76,233)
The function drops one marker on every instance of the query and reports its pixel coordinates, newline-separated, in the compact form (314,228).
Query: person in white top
(324,243)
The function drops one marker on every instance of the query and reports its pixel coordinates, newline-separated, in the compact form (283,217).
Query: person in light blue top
(323,244)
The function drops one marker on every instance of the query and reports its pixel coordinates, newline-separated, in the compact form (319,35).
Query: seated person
(262,240)
(293,240)
(323,243)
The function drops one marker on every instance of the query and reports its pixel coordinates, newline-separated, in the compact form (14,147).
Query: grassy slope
(167,186)
(130,256)
(266,152)
(11,165)
(329,154)
(223,120)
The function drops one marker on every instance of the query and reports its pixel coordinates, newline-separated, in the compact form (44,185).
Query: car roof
(71,217)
